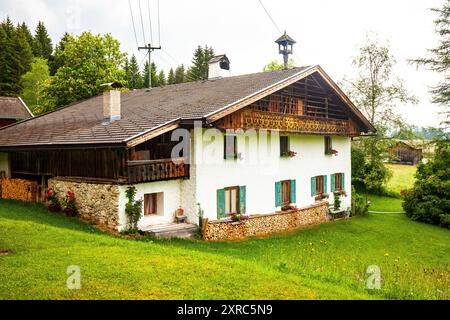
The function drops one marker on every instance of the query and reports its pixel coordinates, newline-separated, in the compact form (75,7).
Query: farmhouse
(13,109)
(257,144)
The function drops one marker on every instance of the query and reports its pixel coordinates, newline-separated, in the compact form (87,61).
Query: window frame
(237,204)
(147,205)
(338,182)
(320,187)
(328,141)
(286,187)
(235,147)
(285,153)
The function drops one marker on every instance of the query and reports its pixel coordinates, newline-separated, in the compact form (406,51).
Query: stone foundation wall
(95,202)
(266,224)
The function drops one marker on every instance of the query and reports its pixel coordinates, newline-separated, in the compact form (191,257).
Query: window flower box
(289,154)
(322,196)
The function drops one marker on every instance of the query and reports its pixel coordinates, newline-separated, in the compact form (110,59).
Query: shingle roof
(13,108)
(142,111)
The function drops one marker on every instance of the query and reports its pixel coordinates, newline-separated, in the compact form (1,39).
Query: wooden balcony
(252,119)
(157,170)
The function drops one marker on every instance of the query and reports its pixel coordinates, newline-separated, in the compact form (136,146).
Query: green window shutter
(293,191)
(277,194)
(220,204)
(343,182)
(333,184)
(242,199)
(313,187)
(325,184)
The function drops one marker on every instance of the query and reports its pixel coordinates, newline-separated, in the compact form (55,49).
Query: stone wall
(262,225)
(95,202)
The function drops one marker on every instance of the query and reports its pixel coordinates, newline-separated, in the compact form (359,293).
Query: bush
(360,207)
(133,210)
(429,200)
(369,174)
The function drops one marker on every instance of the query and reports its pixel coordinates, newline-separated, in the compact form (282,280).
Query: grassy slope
(402,177)
(323,262)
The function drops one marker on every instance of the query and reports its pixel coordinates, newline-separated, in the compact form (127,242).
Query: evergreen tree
(55,61)
(155,79)
(439,59)
(42,44)
(8,59)
(200,66)
(161,79)
(26,31)
(180,75)
(171,77)
(134,78)
(34,83)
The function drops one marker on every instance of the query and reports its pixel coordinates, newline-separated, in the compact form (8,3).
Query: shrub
(52,199)
(337,200)
(133,210)
(429,200)
(360,207)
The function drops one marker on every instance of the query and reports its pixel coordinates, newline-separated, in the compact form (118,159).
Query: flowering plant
(236,217)
(69,204)
(52,199)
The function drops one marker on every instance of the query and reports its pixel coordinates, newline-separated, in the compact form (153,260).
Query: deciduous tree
(34,83)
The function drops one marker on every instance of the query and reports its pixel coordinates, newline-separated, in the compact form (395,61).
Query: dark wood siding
(88,163)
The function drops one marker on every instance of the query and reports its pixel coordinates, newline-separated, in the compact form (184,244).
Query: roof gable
(14,108)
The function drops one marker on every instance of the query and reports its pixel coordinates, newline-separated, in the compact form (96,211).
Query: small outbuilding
(12,110)
(406,152)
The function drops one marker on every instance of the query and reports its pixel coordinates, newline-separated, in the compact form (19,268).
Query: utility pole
(150,49)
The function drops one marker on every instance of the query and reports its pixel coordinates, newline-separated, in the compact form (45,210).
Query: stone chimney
(111,106)
(219,67)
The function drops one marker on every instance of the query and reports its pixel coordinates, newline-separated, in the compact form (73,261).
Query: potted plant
(52,199)
(237,217)
(69,204)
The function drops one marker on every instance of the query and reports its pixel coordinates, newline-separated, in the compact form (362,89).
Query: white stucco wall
(260,179)
(4,164)
(172,201)
(210,171)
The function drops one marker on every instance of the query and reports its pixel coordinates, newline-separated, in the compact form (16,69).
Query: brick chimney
(111,106)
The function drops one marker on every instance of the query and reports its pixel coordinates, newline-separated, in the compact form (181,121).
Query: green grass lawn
(384,204)
(402,177)
(322,262)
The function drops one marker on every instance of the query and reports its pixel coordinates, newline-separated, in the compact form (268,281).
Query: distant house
(406,152)
(13,109)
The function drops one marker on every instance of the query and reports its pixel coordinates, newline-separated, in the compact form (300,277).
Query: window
(284,146)
(337,182)
(328,145)
(151,204)
(230,144)
(231,200)
(285,193)
(318,185)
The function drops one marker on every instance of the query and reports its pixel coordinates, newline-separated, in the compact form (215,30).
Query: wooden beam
(152,134)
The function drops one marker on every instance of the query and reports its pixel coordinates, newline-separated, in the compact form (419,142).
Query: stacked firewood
(19,189)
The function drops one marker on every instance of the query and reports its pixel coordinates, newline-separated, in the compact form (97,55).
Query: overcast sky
(327,32)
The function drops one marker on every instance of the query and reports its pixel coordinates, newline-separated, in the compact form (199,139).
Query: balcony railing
(157,170)
(295,123)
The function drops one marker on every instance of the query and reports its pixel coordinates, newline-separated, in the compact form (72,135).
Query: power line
(142,21)
(159,27)
(150,21)
(270,17)
(132,20)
